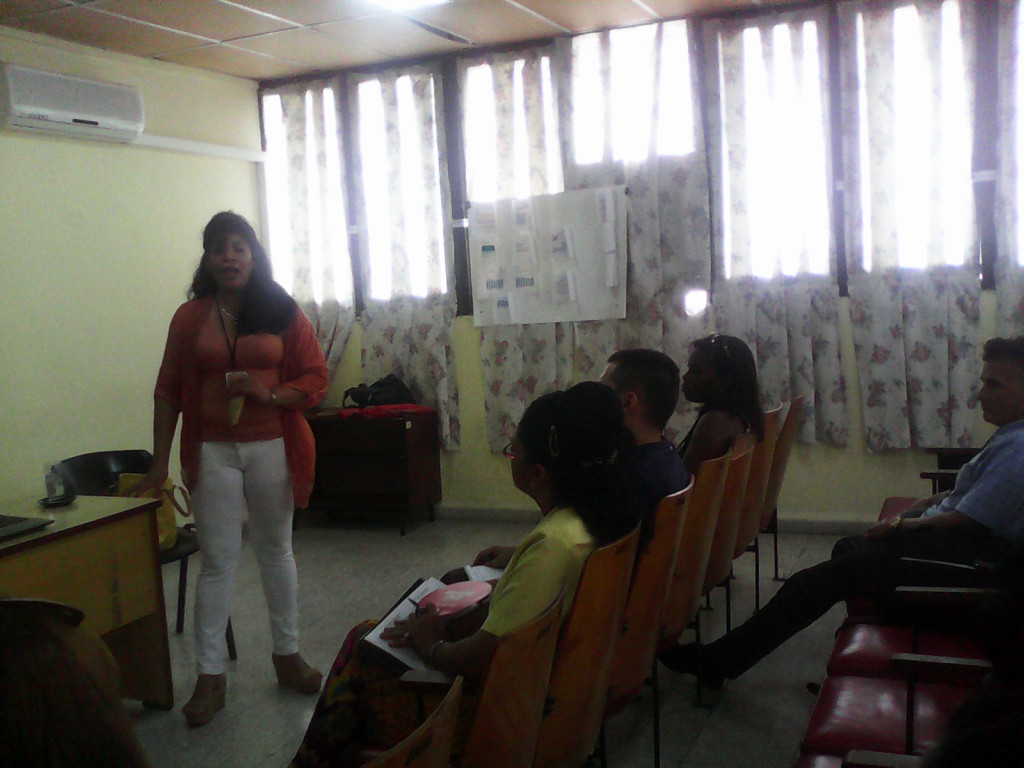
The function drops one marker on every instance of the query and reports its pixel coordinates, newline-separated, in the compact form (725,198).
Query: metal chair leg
(757,575)
(179,625)
(229,635)
(657,714)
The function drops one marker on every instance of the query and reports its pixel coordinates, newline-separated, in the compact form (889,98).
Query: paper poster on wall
(551,258)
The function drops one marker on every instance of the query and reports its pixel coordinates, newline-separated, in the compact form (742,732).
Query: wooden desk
(101,557)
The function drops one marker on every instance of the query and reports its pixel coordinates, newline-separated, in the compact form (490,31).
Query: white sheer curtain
(771,176)
(308,235)
(907,71)
(1010,181)
(404,222)
(631,116)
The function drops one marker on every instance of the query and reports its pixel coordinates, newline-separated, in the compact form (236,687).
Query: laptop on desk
(12,525)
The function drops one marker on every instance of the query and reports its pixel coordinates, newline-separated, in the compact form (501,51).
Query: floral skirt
(361,707)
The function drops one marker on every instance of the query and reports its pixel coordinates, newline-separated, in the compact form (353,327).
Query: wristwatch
(273,397)
(896,522)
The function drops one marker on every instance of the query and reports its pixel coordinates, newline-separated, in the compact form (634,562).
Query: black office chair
(95,474)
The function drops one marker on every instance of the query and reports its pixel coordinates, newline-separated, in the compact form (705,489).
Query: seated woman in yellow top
(565,456)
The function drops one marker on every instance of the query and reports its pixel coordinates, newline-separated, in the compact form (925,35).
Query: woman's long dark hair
(734,363)
(579,437)
(266,306)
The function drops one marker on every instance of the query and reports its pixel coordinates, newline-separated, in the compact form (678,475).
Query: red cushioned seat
(864,650)
(870,713)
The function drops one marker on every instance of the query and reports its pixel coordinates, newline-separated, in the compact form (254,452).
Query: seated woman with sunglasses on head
(565,456)
(721,375)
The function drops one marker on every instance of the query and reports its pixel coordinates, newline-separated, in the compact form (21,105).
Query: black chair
(95,474)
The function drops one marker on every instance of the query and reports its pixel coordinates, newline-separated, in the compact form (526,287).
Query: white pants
(232,478)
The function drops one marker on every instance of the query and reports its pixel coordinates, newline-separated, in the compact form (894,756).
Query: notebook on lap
(11,525)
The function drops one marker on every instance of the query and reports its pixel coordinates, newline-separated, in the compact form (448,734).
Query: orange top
(302,368)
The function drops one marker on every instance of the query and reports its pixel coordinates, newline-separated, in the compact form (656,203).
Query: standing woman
(241,364)
(721,375)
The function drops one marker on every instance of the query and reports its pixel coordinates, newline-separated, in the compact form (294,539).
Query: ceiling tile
(310,47)
(208,18)
(669,9)
(10,9)
(234,61)
(389,34)
(311,11)
(588,15)
(79,24)
(486,21)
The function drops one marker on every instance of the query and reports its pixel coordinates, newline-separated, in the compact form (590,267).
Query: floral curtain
(519,362)
(306,210)
(668,206)
(914,289)
(1009,189)
(403,216)
(776,286)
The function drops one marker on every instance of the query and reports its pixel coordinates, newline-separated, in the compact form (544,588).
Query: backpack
(389,390)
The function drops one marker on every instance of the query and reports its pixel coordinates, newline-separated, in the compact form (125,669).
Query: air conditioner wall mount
(33,99)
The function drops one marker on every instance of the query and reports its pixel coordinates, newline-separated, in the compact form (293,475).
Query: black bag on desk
(389,390)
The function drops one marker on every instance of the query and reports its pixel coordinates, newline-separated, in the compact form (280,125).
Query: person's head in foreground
(59,700)
(567,453)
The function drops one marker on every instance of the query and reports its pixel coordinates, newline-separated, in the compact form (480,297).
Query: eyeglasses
(508,451)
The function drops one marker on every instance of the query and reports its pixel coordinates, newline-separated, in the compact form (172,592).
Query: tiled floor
(351,569)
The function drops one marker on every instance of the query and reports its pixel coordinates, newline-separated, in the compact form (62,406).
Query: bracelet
(432,650)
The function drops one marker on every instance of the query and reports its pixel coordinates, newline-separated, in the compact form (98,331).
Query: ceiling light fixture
(407,5)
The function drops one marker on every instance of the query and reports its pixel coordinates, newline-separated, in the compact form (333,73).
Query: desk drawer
(108,572)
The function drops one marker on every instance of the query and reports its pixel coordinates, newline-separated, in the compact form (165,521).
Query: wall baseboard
(446,512)
(825,525)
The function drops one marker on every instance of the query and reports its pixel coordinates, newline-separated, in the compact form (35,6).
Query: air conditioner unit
(74,106)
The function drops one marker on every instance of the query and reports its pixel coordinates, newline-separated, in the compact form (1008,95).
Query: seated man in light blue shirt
(980,519)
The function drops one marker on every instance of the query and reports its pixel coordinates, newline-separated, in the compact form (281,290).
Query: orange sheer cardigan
(302,369)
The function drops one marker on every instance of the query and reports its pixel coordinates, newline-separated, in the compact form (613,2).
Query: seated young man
(980,519)
(647,383)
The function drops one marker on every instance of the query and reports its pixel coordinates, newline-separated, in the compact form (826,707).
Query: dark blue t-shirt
(655,470)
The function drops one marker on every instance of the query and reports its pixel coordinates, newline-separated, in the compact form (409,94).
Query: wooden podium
(100,555)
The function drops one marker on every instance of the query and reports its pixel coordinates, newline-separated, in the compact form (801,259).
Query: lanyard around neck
(227,337)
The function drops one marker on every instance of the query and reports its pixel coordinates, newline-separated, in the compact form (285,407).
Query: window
(773,153)
(511,130)
(648,79)
(915,138)
(304,195)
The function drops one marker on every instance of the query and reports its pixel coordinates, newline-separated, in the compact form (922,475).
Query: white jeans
(232,478)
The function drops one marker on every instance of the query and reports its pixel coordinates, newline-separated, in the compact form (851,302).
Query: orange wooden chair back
(510,702)
(780,460)
(757,483)
(737,472)
(430,745)
(694,546)
(579,677)
(641,623)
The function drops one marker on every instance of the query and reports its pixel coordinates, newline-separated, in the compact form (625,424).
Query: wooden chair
(430,745)
(780,460)
(753,501)
(510,700)
(634,661)
(578,688)
(694,549)
(719,567)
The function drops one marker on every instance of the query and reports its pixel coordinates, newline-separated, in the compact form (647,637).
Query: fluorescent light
(407,5)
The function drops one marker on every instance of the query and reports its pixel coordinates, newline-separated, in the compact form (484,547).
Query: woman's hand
(154,480)
(419,632)
(241,383)
(494,557)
